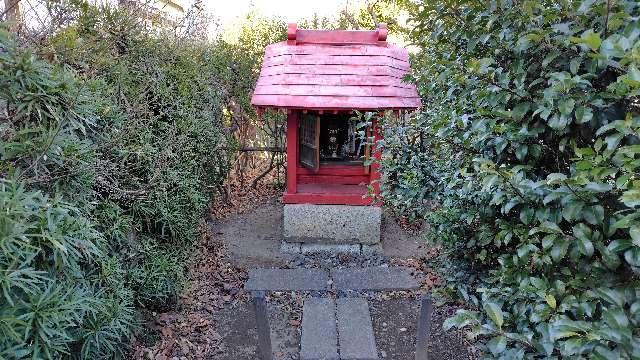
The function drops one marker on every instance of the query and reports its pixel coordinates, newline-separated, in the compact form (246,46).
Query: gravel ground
(395,323)
(253,238)
(236,324)
(329,261)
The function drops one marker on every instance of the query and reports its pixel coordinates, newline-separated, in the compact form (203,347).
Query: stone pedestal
(312,224)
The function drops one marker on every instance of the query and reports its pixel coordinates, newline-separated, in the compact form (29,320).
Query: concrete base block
(330,248)
(332,224)
(290,248)
(375,249)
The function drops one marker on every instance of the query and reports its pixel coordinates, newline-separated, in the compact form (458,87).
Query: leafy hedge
(526,162)
(55,298)
(110,152)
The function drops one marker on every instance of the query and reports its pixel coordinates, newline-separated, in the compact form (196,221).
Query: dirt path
(216,318)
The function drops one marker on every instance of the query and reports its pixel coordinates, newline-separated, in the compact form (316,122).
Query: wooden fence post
(262,324)
(424,325)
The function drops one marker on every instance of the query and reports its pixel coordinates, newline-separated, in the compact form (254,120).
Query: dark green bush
(156,275)
(54,301)
(51,117)
(161,148)
(530,158)
(113,149)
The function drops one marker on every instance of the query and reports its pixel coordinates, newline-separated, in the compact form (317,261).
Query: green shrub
(54,302)
(51,116)
(156,275)
(114,148)
(531,159)
(163,162)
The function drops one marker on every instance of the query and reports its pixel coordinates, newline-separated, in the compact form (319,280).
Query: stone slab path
(287,279)
(342,326)
(373,278)
(319,338)
(340,329)
(253,239)
(355,330)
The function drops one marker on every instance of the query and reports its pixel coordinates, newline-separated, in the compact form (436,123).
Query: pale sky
(290,10)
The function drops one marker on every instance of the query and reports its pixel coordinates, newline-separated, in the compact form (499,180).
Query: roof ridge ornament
(382,31)
(297,36)
(292,32)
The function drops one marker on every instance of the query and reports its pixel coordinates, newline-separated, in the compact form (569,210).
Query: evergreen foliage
(526,162)
(110,152)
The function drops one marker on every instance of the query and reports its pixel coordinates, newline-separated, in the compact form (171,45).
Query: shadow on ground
(395,325)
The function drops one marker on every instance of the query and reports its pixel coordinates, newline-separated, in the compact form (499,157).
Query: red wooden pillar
(377,155)
(292,151)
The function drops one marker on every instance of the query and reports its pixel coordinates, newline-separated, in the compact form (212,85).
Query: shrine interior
(340,143)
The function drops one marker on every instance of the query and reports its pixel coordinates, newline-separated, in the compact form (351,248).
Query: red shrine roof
(334,70)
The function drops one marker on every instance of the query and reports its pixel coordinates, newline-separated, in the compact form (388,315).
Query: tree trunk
(12,14)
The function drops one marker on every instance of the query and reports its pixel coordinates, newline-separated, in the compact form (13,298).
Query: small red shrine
(320,77)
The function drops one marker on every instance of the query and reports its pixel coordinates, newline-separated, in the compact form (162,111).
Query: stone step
(355,331)
(374,278)
(319,339)
(286,279)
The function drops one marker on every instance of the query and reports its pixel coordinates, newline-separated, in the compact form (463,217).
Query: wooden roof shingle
(335,70)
